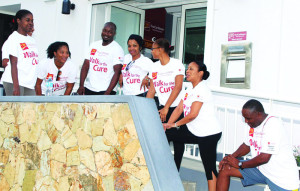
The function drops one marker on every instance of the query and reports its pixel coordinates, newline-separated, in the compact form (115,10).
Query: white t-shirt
(47,68)
(271,138)
(7,71)
(102,61)
(134,74)
(163,77)
(206,123)
(25,49)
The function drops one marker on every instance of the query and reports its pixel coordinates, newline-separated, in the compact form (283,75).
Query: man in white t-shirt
(102,65)
(272,160)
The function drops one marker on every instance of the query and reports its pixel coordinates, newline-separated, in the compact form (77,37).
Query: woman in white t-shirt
(23,57)
(166,81)
(135,68)
(59,67)
(203,127)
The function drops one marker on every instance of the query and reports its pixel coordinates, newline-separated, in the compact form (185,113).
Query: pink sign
(237,36)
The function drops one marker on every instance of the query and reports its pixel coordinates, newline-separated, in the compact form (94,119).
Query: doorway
(184,26)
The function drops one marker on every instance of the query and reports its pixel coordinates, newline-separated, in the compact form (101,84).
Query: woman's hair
(19,15)
(202,67)
(165,44)
(138,39)
(54,47)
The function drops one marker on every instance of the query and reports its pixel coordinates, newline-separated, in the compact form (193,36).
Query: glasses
(155,48)
(58,75)
(129,65)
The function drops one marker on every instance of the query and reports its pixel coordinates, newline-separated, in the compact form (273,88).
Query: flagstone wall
(70,146)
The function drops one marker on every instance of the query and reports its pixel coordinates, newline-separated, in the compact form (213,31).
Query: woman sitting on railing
(202,126)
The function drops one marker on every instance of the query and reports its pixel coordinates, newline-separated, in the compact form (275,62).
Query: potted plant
(297,154)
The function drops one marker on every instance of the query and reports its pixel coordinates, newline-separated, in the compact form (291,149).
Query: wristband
(177,127)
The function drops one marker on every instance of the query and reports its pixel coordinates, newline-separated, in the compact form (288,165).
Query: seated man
(272,160)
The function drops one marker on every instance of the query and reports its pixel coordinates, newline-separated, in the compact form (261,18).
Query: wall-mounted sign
(237,36)
(155,20)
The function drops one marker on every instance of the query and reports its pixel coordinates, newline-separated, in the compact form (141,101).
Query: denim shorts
(254,176)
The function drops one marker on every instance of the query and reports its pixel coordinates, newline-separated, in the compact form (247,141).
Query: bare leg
(223,181)
(212,184)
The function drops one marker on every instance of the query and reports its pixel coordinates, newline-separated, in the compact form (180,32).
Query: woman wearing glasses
(135,68)
(59,67)
(166,81)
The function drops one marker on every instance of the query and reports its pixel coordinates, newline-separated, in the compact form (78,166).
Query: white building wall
(51,25)
(271,27)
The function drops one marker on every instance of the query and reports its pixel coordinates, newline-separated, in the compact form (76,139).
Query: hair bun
(171,48)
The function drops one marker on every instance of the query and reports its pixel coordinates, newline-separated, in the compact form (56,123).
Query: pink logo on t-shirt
(186,95)
(251,132)
(154,75)
(93,51)
(24,46)
(49,76)
(124,66)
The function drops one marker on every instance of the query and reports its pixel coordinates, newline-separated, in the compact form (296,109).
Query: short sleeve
(42,69)
(73,73)
(180,70)
(246,136)
(118,56)
(147,64)
(89,51)
(5,55)
(272,136)
(13,47)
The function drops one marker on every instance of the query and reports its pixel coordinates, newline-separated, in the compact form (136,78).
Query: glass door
(129,20)
(193,26)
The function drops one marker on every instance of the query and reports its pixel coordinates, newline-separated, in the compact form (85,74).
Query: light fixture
(67,6)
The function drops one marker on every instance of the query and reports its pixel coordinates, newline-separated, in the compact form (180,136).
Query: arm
(38,88)
(69,88)
(176,113)
(260,159)
(4,62)
(151,91)
(232,160)
(115,78)
(175,92)
(121,80)
(145,83)
(14,75)
(195,109)
(241,151)
(83,74)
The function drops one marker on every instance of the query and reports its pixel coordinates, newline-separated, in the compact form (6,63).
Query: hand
(232,161)
(16,91)
(163,114)
(222,164)
(81,90)
(167,126)
(145,84)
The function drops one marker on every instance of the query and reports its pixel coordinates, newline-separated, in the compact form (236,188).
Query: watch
(240,165)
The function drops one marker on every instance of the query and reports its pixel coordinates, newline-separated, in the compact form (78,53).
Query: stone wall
(70,146)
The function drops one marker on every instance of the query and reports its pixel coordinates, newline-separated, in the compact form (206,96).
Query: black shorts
(90,92)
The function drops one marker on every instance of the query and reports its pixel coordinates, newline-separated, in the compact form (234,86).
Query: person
(5,59)
(166,79)
(272,160)
(136,66)
(23,57)
(202,126)
(102,65)
(58,66)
